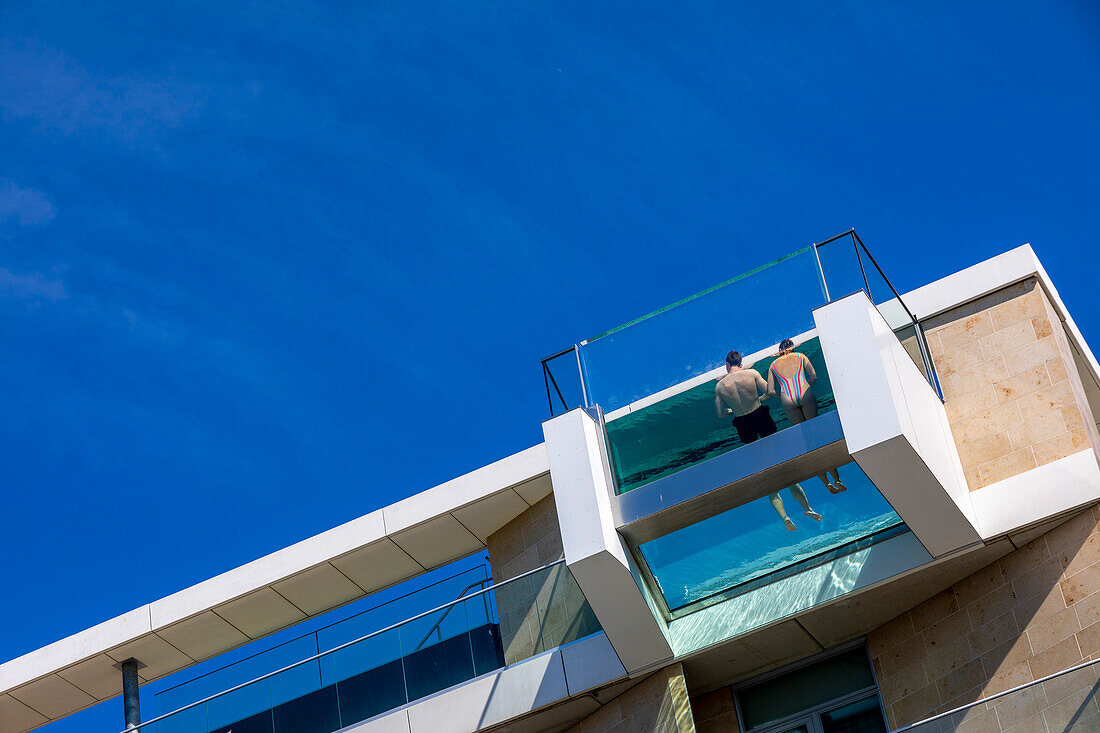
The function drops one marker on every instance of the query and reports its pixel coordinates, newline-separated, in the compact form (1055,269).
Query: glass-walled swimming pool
(680,431)
(798,527)
(677,346)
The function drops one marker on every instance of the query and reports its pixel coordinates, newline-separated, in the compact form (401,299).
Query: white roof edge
(989,276)
(430,504)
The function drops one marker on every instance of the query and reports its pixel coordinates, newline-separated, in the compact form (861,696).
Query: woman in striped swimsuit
(791,377)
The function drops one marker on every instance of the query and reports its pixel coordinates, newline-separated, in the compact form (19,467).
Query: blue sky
(267,267)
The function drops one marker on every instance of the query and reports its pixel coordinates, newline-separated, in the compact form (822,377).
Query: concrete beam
(594,551)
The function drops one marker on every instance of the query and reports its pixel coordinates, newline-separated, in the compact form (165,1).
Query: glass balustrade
(368,664)
(655,377)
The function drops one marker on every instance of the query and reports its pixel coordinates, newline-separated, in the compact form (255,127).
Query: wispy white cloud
(33,286)
(58,94)
(24,206)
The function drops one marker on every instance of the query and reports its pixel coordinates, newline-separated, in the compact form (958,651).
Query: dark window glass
(858,717)
(259,723)
(313,713)
(488,649)
(370,693)
(438,666)
(806,688)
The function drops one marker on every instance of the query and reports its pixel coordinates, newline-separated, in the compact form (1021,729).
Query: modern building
(916,542)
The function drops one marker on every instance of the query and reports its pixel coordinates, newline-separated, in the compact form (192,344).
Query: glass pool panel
(690,338)
(751,545)
(682,430)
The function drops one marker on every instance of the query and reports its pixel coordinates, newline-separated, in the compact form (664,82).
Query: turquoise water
(682,430)
(750,542)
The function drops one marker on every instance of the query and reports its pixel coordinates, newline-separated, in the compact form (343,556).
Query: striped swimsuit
(795,386)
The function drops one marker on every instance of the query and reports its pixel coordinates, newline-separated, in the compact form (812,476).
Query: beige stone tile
(1060,446)
(1019,705)
(973,477)
(991,605)
(1062,655)
(966,405)
(965,331)
(1031,610)
(915,706)
(1069,684)
(1077,557)
(1041,325)
(975,721)
(1048,632)
(943,659)
(947,630)
(1081,584)
(984,450)
(1071,416)
(890,634)
(980,583)
(1001,418)
(1034,354)
(1088,610)
(1024,559)
(1078,708)
(961,679)
(1007,655)
(1033,724)
(1045,401)
(1021,383)
(899,657)
(967,697)
(1023,307)
(951,361)
(1043,578)
(907,681)
(1006,679)
(979,376)
(996,632)
(1008,340)
(1073,532)
(712,705)
(936,608)
(1013,464)
(1056,368)
(1037,430)
(1088,639)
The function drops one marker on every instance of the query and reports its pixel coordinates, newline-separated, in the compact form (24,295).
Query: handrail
(316,631)
(996,696)
(461,597)
(315,657)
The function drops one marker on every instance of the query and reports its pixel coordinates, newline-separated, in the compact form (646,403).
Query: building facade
(907,535)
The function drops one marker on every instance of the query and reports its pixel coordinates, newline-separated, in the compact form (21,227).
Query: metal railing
(1051,706)
(864,269)
(445,608)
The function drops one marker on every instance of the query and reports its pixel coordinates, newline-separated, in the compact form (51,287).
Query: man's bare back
(741,390)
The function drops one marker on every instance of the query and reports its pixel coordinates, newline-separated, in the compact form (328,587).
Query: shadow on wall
(1031,614)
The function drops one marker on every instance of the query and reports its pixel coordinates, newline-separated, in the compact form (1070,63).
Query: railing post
(131,707)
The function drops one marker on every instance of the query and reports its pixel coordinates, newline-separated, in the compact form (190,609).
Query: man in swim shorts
(739,394)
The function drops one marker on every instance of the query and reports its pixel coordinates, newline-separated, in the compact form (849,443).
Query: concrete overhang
(330,569)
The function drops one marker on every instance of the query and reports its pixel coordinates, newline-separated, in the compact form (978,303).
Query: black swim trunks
(757,424)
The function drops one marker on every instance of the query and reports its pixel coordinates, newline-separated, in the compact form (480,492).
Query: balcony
(383,658)
(725,531)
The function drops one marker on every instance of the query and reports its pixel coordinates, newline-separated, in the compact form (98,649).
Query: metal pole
(580,371)
(131,707)
(821,274)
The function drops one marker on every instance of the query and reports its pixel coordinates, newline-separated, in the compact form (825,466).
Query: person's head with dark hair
(786,346)
(733,359)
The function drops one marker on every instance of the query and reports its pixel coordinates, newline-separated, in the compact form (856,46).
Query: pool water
(750,543)
(682,430)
